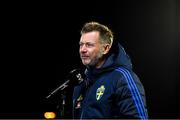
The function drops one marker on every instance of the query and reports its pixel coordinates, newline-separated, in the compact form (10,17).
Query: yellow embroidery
(80,98)
(100,92)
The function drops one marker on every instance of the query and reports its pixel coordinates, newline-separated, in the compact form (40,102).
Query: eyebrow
(87,42)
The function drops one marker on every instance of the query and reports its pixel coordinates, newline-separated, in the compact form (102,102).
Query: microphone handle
(61,87)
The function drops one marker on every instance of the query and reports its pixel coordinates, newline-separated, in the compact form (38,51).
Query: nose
(83,49)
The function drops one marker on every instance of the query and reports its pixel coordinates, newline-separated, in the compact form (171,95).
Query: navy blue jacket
(112,91)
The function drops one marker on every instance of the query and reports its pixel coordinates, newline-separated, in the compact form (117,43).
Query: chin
(86,64)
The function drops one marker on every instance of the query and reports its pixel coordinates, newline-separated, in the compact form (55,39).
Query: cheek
(94,53)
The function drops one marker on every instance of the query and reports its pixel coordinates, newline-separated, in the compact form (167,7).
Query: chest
(100,93)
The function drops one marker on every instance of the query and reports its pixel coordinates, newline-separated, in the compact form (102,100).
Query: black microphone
(74,78)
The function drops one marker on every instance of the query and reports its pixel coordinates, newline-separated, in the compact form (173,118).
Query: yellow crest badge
(100,92)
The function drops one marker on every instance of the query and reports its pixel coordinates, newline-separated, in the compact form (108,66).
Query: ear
(106,48)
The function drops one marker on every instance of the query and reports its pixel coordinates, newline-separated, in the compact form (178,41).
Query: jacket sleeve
(130,97)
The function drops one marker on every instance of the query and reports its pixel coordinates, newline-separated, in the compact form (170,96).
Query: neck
(98,65)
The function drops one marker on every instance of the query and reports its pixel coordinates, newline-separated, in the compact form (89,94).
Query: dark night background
(39,47)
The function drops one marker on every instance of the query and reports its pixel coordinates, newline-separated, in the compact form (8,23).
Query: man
(110,88)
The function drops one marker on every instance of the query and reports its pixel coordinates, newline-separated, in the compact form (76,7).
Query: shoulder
(122,77)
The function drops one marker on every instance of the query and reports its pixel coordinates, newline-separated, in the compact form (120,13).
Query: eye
(80,44)
(89,45)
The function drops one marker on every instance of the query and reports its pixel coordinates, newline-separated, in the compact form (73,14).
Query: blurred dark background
(39,47)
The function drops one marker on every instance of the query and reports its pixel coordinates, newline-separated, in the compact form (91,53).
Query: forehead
(90,37)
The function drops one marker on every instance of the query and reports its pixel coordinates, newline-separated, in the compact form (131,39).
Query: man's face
(91,50)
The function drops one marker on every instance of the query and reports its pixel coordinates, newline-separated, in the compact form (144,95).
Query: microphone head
(76,76)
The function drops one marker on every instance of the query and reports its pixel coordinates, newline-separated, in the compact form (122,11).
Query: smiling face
(91,49)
